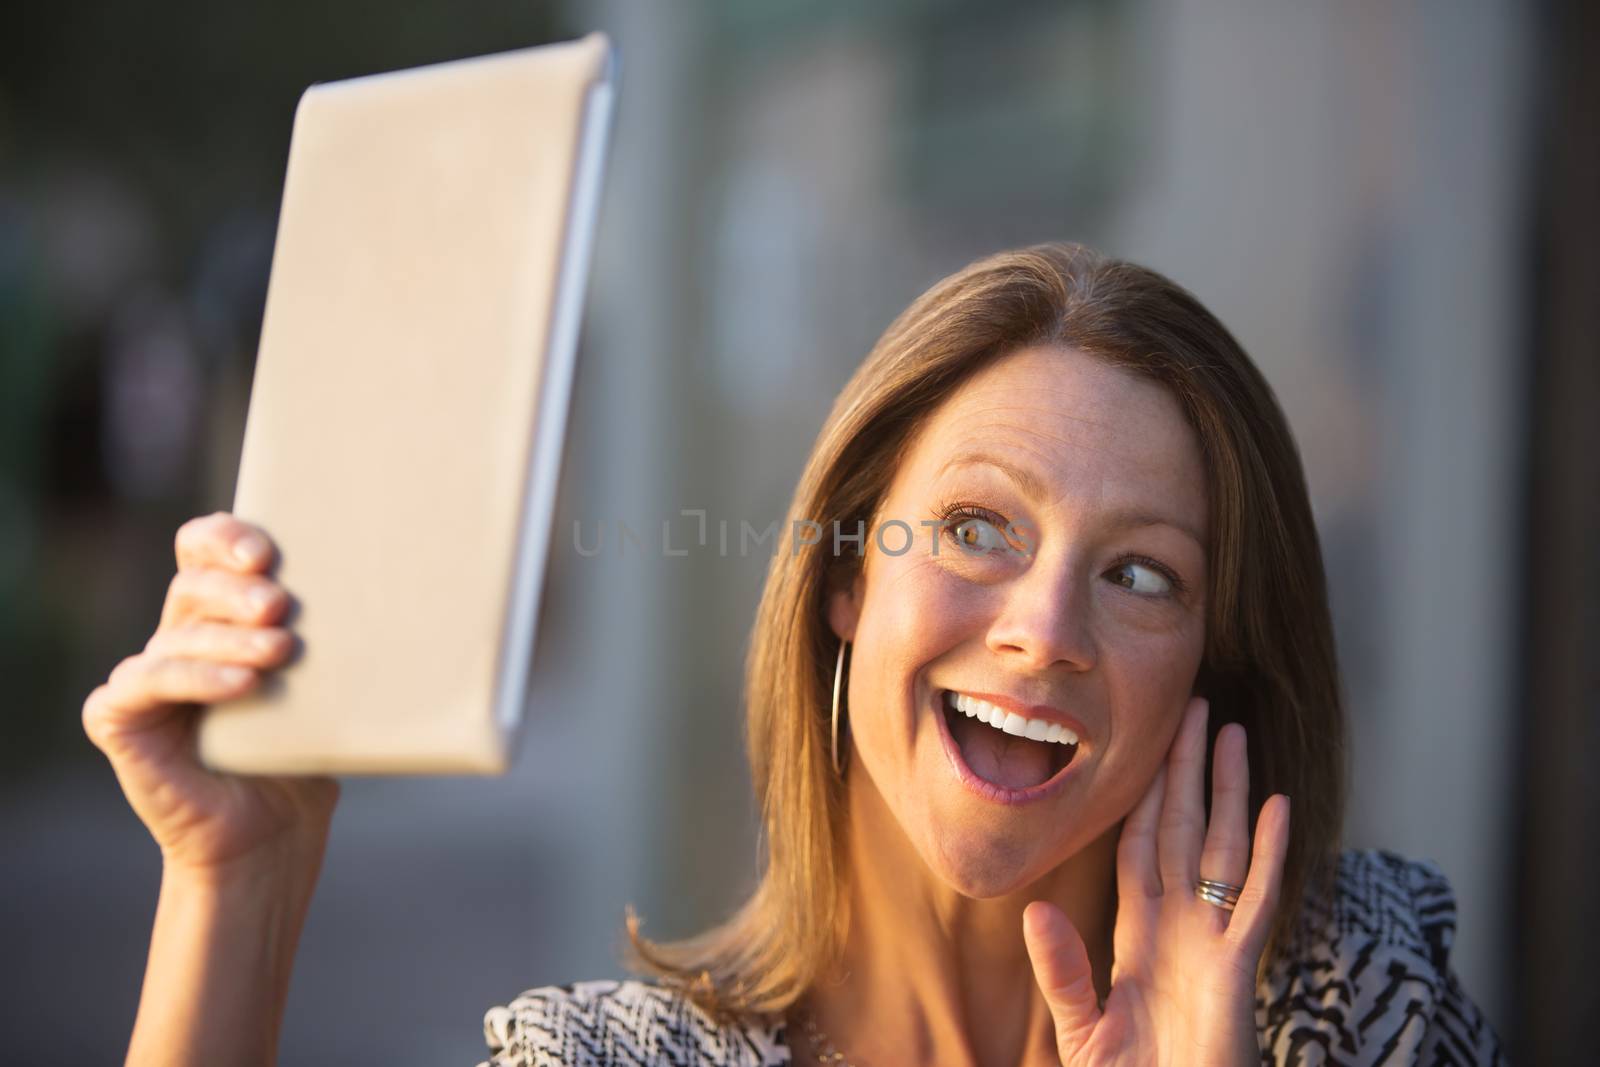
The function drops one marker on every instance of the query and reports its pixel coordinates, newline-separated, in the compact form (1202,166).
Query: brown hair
(1269,659)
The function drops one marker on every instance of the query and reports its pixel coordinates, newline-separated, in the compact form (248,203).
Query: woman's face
(1087,616)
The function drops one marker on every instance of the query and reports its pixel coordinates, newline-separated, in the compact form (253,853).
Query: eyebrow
(1032,487)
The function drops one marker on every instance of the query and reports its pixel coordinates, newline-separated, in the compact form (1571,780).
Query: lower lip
(997,794)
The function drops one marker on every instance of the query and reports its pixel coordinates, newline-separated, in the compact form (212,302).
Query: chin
(983,866)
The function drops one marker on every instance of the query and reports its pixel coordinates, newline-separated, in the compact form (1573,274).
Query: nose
(1045,619)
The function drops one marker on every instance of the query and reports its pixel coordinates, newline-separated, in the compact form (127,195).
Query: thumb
(1061,967)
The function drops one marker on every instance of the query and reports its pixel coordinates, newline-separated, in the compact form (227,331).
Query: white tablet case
(409,405)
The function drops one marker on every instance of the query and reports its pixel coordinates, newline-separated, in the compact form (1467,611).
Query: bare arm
(221,955)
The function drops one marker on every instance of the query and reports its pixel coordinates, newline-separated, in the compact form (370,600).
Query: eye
(977,535)
(976,530)
(1142,576)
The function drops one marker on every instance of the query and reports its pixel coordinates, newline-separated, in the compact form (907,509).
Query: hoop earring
(838,680)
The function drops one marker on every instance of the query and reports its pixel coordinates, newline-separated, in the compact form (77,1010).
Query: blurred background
(1391,204)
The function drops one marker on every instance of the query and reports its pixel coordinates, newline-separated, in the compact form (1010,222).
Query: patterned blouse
(1372,986)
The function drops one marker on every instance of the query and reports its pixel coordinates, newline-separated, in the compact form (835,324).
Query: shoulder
(1367,979)
(626,1023)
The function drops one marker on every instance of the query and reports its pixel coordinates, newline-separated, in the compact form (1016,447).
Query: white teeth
(1010,722)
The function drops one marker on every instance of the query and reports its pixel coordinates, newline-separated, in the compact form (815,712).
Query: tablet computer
(408,408)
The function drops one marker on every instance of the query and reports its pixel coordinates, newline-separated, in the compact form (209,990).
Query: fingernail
(233,675)
(249,549)
(265,642)
(261,597)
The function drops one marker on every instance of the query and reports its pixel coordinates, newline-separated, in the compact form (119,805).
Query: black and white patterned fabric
(1368,983)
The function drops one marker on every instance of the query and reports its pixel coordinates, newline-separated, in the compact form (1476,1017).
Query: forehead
(1086,430)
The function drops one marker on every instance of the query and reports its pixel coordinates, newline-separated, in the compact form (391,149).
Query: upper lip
(1047,712)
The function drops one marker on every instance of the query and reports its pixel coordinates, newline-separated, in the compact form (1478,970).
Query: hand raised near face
(1183,982)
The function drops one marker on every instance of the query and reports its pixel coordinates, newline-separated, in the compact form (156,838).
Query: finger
(1138,873)
(146,679)
(1226,856)
(222,540)
(1258,902)
(254,646)
(1061,967)
(222,597)
(143,691)
(1182,812)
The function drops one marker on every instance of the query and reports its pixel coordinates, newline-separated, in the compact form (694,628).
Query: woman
(1063,549)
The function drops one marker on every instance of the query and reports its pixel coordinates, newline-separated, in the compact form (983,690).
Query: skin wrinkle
(935,966)
(1024,430)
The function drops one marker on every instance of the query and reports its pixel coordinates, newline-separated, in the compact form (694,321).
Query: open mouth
(1013,754)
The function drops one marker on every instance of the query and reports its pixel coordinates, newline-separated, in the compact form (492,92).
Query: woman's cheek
(913,613)
(909,617)
(928,602)
(1162,640)
(1150,664)
(1168,620)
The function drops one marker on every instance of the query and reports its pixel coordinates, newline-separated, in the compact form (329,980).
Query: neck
(929,975)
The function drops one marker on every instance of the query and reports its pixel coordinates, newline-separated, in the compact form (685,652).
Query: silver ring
(1221,894)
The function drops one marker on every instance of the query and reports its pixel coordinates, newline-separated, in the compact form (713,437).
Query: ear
(844,604)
